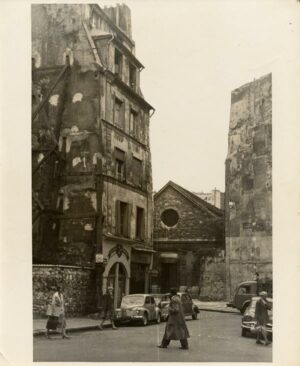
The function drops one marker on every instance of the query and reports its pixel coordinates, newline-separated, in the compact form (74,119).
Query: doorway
(168,277)
(117,279)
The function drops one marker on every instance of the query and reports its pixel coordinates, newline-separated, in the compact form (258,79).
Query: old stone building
(91,162)
(248,196)
(189,240)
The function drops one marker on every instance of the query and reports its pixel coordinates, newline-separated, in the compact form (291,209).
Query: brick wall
(78,286)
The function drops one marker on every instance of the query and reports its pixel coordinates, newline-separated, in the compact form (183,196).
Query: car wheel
(145,319)
(158,319)
(244,332)
(194,315)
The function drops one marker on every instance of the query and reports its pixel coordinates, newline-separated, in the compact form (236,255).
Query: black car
(189,308)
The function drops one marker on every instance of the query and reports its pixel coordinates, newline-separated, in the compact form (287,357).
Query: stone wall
(248,201)
(78,286)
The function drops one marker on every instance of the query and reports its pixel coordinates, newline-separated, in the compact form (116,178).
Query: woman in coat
(262,317)
(57,314)
(176,328)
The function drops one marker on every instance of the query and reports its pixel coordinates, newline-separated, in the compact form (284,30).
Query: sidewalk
(217,306)
(85,323)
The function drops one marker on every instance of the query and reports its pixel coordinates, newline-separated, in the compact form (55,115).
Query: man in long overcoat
(262,317)
(176,328)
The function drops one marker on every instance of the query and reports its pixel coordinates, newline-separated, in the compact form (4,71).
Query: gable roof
(193,198)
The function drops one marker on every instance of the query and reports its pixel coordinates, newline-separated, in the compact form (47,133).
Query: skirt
(52,322)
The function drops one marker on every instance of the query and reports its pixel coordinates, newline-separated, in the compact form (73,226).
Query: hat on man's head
(173,291)
(263,293)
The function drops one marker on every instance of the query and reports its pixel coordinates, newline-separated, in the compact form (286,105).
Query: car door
(189,304)
(148,306)
(152,308)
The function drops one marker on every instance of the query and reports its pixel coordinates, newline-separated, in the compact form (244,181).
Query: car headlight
(137,310)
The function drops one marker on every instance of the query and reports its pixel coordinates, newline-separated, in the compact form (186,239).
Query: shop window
(140,226)
(170,217)
(132,76)
(119,117)
(123,219)
(118,62)
(120,164)
(137,168)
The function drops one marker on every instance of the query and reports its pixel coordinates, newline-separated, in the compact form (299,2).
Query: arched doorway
(117,279)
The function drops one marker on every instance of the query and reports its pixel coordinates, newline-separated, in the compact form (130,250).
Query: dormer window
(132,76)
(118,62)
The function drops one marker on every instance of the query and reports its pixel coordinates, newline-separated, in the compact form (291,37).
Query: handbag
(52,322)
(255,328)
(49,310)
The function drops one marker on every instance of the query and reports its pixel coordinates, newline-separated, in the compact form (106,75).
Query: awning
(168,257)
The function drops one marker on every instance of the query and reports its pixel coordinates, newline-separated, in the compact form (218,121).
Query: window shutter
(143,225)
(118,217)
(129,213)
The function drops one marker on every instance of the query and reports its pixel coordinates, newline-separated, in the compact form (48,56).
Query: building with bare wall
(248,194)
(91,161)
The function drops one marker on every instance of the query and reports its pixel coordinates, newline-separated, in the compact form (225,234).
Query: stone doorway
(117,279)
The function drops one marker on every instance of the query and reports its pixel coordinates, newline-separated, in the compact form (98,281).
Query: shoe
(114,328)
(259,342)
(100,327)
(267,343)
(66,337)
(160,346)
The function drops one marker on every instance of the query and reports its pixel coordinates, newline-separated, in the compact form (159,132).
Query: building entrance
(117,279)
(168,278)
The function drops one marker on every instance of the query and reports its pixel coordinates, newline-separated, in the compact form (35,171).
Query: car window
(147,301)
(152,300)
(244,290)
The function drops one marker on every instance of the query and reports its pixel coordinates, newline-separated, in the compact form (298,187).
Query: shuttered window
(123,219)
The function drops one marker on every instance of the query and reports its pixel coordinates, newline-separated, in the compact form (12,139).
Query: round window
(170,217)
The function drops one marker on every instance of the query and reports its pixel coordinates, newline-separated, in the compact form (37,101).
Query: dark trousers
(165,342)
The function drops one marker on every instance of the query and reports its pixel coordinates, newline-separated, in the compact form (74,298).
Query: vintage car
(138,308)
(189,308)
(248,319)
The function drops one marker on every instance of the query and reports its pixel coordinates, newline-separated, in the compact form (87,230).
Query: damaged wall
(248,200)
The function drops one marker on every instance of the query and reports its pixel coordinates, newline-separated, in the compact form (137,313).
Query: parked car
(246,290)
(248,319)
(157,298)
(189,308)
(138,308)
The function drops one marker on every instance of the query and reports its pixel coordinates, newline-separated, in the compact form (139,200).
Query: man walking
(176,328)
(108,308)
(262,317)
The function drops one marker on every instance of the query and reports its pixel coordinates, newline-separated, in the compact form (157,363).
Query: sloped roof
(215,211)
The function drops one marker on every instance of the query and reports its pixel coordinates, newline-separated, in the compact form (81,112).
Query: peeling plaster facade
(189,240)
(248,196)
(91,158)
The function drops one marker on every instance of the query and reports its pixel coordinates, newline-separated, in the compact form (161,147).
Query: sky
(195,53)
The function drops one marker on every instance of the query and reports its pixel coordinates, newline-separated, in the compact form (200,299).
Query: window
(152,300)
(120,164)
(119,114)
(170,217)
(137,170)
(118,62)
(139,228)
(147,300)
(134,126)
(123,219)
(132,76)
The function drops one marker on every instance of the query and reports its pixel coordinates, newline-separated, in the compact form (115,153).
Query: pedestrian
(108,308)
(176,328)
(262,317)
(56,313)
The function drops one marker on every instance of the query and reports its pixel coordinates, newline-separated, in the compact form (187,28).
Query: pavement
(87,323)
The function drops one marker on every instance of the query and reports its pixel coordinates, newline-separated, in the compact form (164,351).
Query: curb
(220,311)
(38,333)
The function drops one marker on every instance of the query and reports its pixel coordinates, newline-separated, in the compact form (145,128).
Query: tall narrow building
(248,196)
(91,162)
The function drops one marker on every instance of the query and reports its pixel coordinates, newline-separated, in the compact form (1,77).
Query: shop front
(141,265)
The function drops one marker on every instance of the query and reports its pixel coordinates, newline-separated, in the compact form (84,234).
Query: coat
(108,302)
(261,312)
(176,328)
(58,304)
